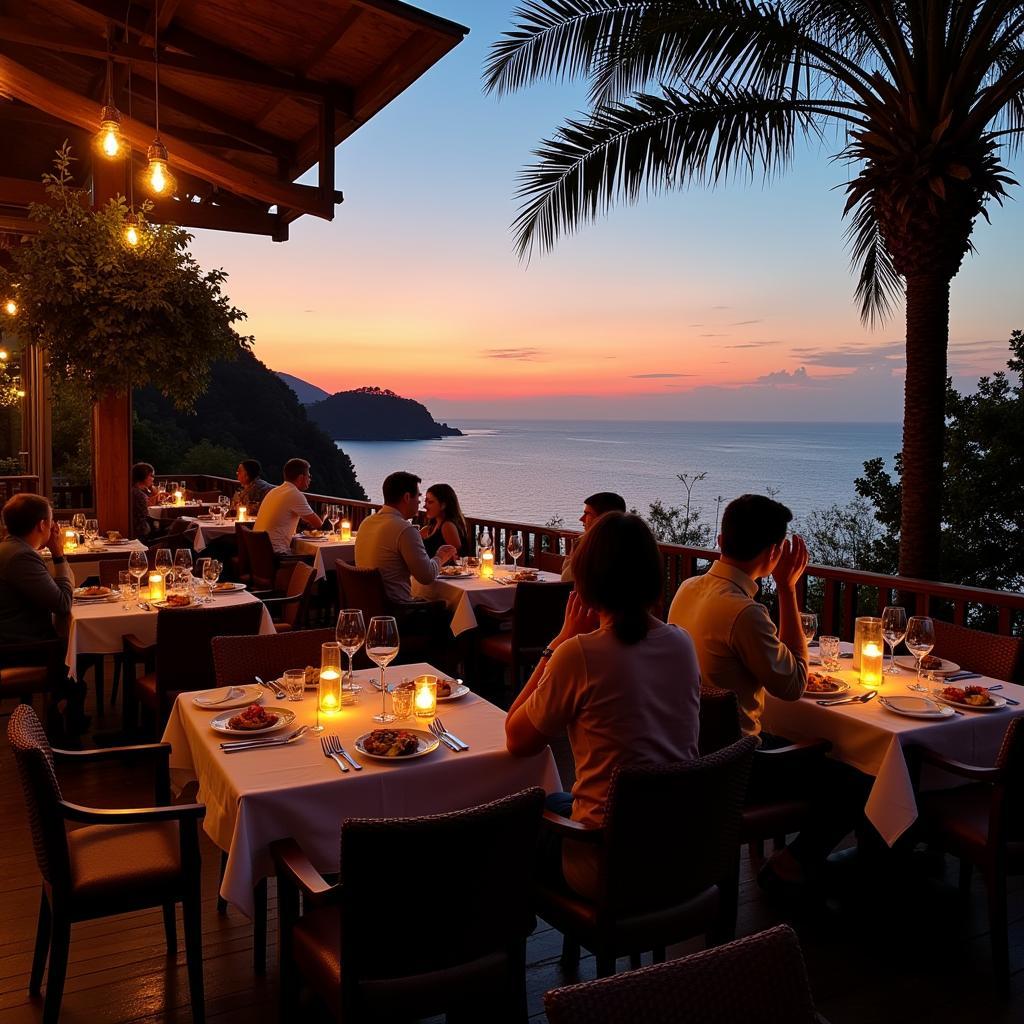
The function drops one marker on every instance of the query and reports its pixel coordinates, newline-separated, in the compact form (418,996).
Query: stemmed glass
(163,561)
(183,567)
(920,640)
(138,566)
(894,629)
(382,649)
(350,632)
(223,504)
(334,517)
(78,522)
(515,548)
(809,625)
(201,565)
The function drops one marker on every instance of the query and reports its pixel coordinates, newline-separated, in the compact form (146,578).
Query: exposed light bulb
(131,231)
(3,355)
(11,307)
(158,177)
(21,394)
(110,141)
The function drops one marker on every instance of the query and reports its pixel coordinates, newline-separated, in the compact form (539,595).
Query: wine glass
(350,632)
(894,629)
(809,625)
(78,522)
(92,531)
(163,561)
(138,566)
(183,566)
(486,543)
(920,640)
(382,649)
(515,548)
(211,573)
(223,504)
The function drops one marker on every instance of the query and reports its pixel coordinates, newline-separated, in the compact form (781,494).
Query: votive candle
(329,693)
(346,529)
(70,540)
(487,565)
(179,498)
(157,587)
(871,665)
(425,696)
(241,513)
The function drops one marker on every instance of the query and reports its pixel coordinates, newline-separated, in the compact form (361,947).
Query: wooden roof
(253,93)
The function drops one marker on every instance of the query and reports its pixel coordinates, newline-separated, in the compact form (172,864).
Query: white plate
(79,595)
(998,703)
(428,743)
(306,536)
(916,707)
(246,695)
(843,687)
(910,664)
(163,604)
(457,693)
(220,723)
(456,575)
(233,588)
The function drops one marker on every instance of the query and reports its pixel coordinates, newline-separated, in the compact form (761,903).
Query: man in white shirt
(283,508)
(388,541)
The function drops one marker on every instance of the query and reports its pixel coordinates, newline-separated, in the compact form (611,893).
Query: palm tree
(922,95)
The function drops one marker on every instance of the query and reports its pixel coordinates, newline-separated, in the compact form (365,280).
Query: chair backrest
(259,557)
(672,830)
(719,719)
(384,862)
(204,496)
(1009,809)
(1001,657)
(184,658)
(548,561)
(34,760)
(300,585)
(237,659)
(241,549)
(110,567)
(537,614)
(363,589)
(759,978)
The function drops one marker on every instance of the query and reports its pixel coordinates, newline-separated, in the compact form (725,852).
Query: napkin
(222,697)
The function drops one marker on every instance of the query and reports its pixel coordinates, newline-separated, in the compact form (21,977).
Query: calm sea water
(531,471)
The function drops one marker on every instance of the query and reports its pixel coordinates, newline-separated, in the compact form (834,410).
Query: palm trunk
(924,425)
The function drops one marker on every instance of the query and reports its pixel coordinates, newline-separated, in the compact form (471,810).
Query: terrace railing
(838,595)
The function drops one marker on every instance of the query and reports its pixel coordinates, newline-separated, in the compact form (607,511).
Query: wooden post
(112,414)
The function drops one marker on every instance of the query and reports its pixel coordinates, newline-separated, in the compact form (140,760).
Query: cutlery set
(272,686)
(862,698)
(335,751)
(451,741)
(257,743)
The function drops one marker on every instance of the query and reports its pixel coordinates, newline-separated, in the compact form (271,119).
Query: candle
(425,698)
(157,587)
(70,540)
(871,665)
(487,565)
(179,498)
(241,513)
(346,530)
(329,693)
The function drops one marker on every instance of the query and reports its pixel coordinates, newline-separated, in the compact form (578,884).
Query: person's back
(285,506)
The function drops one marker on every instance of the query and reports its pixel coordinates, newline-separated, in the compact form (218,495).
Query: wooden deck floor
(904,947)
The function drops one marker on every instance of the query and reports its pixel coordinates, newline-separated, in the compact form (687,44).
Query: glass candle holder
(346,529)
(329,693)
(70,540)
(487,565)
(241,513)
(179,498)
(868,648)
(425,696)
(157,586)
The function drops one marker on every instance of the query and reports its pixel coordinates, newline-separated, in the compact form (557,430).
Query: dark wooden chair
(237,659)
(1000,657)
(206,497)
(537,614)
(549,561)
(181,658)
(983,825)
(759,978)
(669,860)
(350,943)
(422,625)
(120,861)
(260,566)
(30,668)
(291,610)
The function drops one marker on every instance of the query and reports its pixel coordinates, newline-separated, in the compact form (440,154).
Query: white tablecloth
(207,530)
(325,552)
(463,597)
(255,797)
(178,511)
(97,627)
(85,561)
(873,739)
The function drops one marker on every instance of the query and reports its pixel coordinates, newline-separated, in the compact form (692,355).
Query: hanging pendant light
(158,176)
(109,139)
(132,235)
(11,307)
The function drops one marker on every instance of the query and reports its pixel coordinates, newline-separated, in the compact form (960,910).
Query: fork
(461,744)
(325,742)
(336,748)
(442,736)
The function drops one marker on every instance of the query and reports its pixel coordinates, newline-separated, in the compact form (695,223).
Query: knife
(460,744)
(278,692)
(255,744)
(348,757)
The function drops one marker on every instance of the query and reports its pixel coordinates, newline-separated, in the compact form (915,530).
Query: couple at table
(625,686)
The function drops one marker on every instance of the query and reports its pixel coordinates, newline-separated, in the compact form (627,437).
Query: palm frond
(879,286)
(623,151)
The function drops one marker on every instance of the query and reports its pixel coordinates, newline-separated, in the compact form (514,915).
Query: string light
(158,176)
(131,231)
(11,307)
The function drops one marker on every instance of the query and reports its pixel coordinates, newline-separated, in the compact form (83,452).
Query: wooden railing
(12,485)
(837,595)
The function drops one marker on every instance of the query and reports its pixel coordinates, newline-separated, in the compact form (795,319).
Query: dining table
(257,796)
(85,559)
(189,508)
(209,529)
(466,596)
(325,551)
(875,739)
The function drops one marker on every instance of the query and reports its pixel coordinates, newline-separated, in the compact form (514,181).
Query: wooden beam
(407,14)
(219,218)
(325,170)
(29,87)
(19,192)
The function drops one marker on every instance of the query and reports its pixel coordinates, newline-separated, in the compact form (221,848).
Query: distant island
(371,414)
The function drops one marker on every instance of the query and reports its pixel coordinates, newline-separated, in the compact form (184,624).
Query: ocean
(534,471)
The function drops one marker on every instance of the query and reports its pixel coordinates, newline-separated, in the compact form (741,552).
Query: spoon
(278,692)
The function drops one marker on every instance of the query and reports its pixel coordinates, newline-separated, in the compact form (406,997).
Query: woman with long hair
(445,521)
(624,685)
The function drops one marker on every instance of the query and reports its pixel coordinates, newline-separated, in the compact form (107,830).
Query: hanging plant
(112,316)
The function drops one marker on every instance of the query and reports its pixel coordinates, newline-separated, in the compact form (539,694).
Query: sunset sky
(726,304)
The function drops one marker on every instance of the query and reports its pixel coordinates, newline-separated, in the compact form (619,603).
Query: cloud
(527,354)
(714,335)
(885,354)
(754,344)
(798,377)
(743,323)
(658,376)
(721,307)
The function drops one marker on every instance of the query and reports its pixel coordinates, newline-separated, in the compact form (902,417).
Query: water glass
(294,683)
(809,625)
(92,531)
(382,649)
(920,640)
(828,648)
(402,696)
(894,629)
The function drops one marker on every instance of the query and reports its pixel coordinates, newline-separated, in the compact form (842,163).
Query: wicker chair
(351,952)
(1000,657)
(237,659)
(121,861)
(669,860)
(181,658)
(537,614)
(982,824)
(758,978)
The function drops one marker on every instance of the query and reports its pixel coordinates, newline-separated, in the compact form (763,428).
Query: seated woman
(624,685)
(445,521)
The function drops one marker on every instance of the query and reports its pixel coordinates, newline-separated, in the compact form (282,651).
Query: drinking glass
(809,625)
(382,649)
(486,544)
(294,683)
(92,531)
(515,548)
(223,504)
(138,566)
(894,629)
(163,562)
(201,565)
(402,696)
(350,632)
(78,522)
(334,517)
(920,640)
(211,573)
(124,586)
(828,649)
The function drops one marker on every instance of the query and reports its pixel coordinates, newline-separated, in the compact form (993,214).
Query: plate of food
(254,720)
(226,587)
(916,707)
(929,663)
(313,535)
(225,698)
(92,593)
(970,698)
(523,575)
(819,684)
(451,689)
(176,601)
(396,744)
(455,572)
